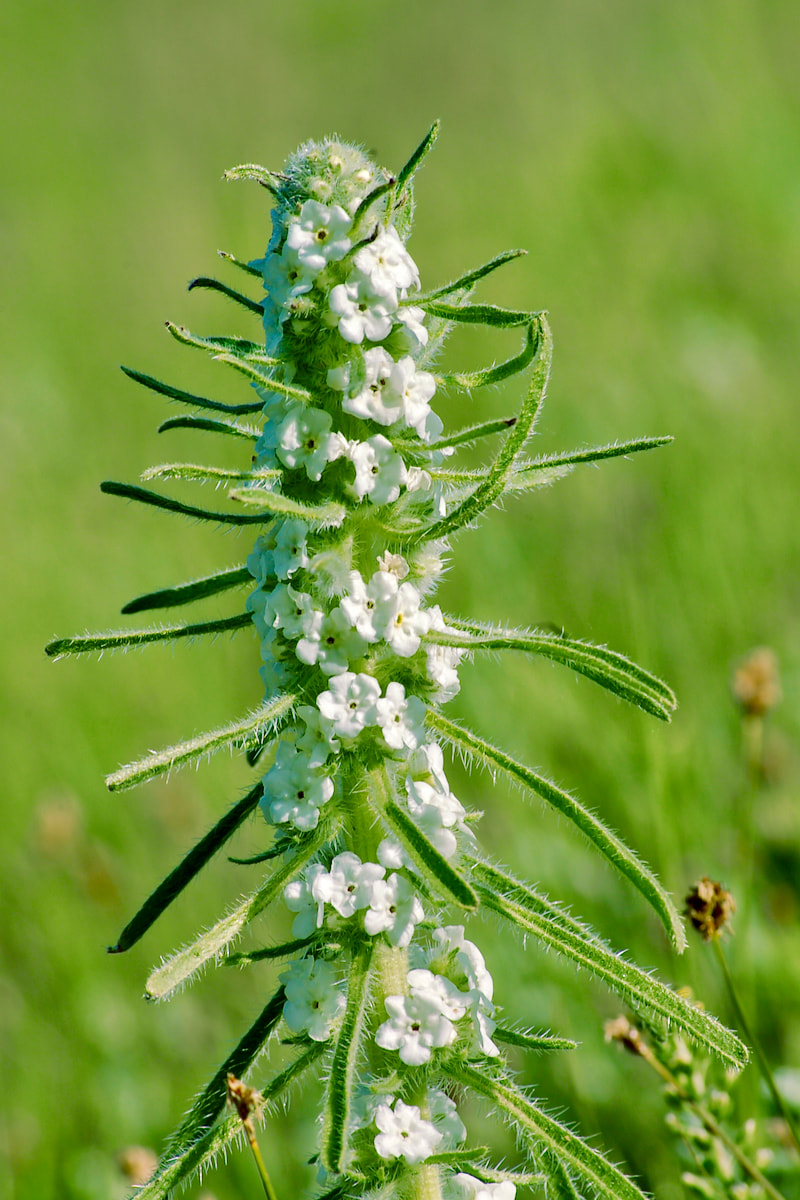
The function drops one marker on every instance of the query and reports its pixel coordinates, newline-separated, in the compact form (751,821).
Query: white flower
(387,264)
(468,957)
(404,1133)
(445,1117)
(313,999)
(476,1189)
(408,623)
(348,885)
(415,1027)
(349,704)
(438,989)
(260,560)
(332,644)
(392,854)
(371,607)
(401,718)
(300,899)
(305,440)
(394,910)
(286,276)
(317,739)
(293,790)
(289,554)
(427,762)
(380,471)
(378,399)
(415,389)
(319,235)
(442,661)
(411,317)
(361,313)
(293,612)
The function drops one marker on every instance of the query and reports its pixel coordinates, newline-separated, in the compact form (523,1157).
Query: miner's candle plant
(353,496)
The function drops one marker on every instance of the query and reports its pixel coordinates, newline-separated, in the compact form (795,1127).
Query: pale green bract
(355,499)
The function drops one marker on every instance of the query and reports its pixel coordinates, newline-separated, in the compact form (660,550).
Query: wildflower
(294,791)
(401,718)
(314,1001)
(348,886)
(380,471)
(404,1133)
(394,909)
(319,235)
(349,703)
(361,314)
(476,1189)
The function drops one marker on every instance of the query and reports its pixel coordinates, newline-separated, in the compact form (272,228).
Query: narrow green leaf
(489,376)
(187,868)
(126,639)
(187,593)
(493,486)
(607,842)
(213,944)
(247,366)
(177,1169)
(209,425)
(465,437)
(344,1071)
(248,268)
(366,204)
(467,282)
(605,667)
(533,913)
(203,474)
(267,953)
(323,516)
(532,1041)
(214,285)
(211,1101)
(478,314)
(130,491)
(256,727)
(271,180)
(416,160)
(173,393)
(526,471)
(603,1178)
(219,345)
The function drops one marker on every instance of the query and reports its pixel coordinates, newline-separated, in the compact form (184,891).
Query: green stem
(749,1034)
(263,1174)
(709,1123)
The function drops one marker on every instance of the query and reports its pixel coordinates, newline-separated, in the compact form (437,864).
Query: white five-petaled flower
(289,553)
(295,791)
(380,471)
(378,398)
(394,909)
(293,612)
(314,1001)
(476,1189)
(317,739)
(387,264)
(404,1133)
(371,607)
(361,314)
(408,623)
(300,899)
(411,318)
(332,645)
(286,276)
(304,439)
(319,235)
(424,1020)
(348,885)
(401,717)
(349,703)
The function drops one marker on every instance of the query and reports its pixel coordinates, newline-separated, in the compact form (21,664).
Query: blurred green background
(648,155)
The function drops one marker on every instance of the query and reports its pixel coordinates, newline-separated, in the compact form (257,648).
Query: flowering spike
(355,502)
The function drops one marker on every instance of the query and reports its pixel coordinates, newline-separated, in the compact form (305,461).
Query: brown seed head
(709,907)
(756,682)
(246,1100)
(620,1030)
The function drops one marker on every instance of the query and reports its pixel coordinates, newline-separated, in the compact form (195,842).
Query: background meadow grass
(648,155)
